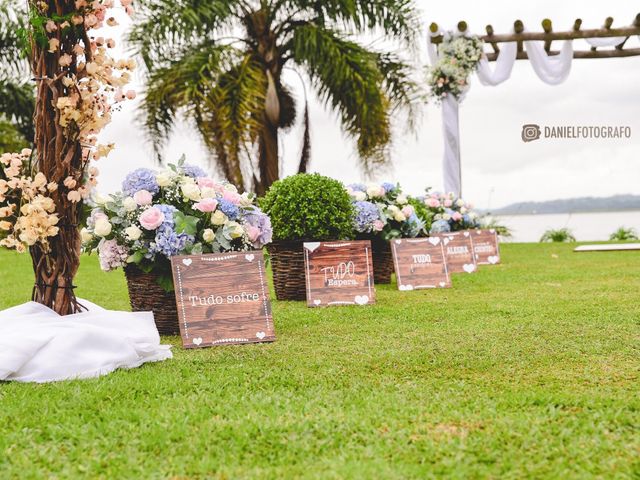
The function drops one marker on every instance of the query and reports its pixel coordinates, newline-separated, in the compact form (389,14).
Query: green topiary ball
(309,207)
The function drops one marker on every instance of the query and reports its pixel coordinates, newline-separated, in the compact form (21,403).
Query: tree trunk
(58,156)
(269,157)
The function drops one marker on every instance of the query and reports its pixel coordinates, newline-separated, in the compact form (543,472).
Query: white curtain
(503,65)
(551,69)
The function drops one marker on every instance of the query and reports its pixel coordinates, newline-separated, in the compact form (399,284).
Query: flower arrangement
(458,58)
(450,214)
(383,210)
(177,211)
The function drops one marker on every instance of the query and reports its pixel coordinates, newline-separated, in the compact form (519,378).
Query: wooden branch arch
(549,36)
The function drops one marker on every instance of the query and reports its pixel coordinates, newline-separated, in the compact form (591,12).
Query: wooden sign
(339,273)
(222,299)
(458,250)
(485,247)
(420,263)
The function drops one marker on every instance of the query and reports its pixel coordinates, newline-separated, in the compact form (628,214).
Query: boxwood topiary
(309,207)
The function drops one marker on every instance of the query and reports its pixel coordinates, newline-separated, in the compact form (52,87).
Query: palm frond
(13,60)
(16,104)
(348,78)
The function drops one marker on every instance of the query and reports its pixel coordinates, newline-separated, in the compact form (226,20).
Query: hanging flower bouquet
(450,214)
(178,211)
(459,56)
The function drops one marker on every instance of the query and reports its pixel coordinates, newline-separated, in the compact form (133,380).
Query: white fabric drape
(503,65)
(605,42)
(38,345)
(551,69)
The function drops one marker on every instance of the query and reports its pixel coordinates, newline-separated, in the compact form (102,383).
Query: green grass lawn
(529,369)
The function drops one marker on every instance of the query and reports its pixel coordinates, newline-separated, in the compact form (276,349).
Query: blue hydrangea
(193,171)
(413,226)
(169,243)
(262,222)
(366,214)
(440,226)
(228,208)
(358,187)
(140,179)
(168,211)
(388,187)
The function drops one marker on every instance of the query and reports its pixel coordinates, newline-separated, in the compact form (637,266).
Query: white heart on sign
(197,341)
(493,259)
(446,240)
(187,261)
(466,234)
(250,257)
(434,240)
(404,288)
(362,299)
(443,284)
(317,302)
(492,230)
(469,267)
(261,335)
(398,242)
(312,246)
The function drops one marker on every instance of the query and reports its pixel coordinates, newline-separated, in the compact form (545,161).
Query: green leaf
(166,282)
(186,223)
(137,257)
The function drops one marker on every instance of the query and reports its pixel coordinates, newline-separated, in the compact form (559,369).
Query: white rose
(133,233)
(208,235)
(393,210)
(235,229)
(402,199)
(85,235)
(208,192)
(100,199)
(375,191)
(191,191)
(245,200)
(218,218)
(230,188)
(399,217)
(463,210)
(102,227)
(129,204)
(460,202)
(164,178)
(359,196)
(446,216)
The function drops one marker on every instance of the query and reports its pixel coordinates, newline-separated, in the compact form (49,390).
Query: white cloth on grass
(38,345)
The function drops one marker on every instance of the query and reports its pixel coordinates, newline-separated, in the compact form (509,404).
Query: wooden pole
(547,26)
(495,46)
(579,54)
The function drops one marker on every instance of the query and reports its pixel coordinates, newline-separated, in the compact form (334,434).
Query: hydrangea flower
(169,243)
(358,187)
(168,211)
(413,226)
(262,222)
(140,179)
(388,187)
(193,171)
(228,208)
(112,255)
(366,214)
(440,226)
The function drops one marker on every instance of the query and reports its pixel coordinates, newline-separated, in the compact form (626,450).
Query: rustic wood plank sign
(458,250)
(486,247)
(339,273)
(420,263)
(222,299)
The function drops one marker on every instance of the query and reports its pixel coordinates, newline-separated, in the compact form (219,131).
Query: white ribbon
(551,69)
(503,65)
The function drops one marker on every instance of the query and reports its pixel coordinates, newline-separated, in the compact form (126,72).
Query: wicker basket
(287,265)
(382,260)
(146,295)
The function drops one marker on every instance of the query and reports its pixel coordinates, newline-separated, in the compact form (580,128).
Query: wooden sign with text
(339,273)
(458,250)
(485,247)
(420,263)
(222,299)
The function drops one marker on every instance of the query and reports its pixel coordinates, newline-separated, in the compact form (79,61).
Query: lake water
(585,226)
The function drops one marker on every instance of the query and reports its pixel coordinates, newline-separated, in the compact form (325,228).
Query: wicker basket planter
(146,295)
(287,265)
(382,260)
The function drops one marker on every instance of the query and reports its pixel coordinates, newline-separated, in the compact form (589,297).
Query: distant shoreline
(513,214)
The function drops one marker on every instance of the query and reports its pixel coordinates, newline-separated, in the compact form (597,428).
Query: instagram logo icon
(530,132)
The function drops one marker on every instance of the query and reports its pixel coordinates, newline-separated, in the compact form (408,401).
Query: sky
(498,168)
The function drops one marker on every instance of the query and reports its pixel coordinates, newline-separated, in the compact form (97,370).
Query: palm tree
(16,90)
(220,63)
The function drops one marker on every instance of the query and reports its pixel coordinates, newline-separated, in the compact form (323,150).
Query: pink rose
(378,225)
(433,202)
(448,203)
(456,216)
(252,232)
(232,197)
(151,218)
(206,182)
(206,205)
(407,211)
(143,197)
